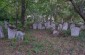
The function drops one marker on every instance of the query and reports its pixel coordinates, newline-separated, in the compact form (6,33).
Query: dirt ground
(41,42)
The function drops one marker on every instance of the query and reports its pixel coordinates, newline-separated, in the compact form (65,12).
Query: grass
(38,42)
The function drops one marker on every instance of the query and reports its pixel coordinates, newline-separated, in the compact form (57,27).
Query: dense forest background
(29,11)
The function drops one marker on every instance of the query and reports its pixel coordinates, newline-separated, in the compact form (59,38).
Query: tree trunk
(16,12)
(78,10)
(23,9)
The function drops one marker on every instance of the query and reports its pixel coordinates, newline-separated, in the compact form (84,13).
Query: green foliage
(82,35)
(26,40)
(37,47)
(67,33)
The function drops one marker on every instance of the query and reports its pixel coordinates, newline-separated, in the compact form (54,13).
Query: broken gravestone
(55,32)
(1,32)
(11,33)
(35,26)
(60,26)
(6,24)
(20,35)
(65,26)
(75,31)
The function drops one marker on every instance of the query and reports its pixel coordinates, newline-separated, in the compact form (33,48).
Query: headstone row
(46,25)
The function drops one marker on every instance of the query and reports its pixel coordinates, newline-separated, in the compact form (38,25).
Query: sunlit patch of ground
(40,42)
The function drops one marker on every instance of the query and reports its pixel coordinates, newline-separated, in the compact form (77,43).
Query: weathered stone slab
(47,25)
(20,35)
(1,32)
(60,26)
(75,31)
(55,32)
(82,27)
(53,26)
(35,26)
(43,27)
(72,25)
(65,26)
(6,24)
(11,33)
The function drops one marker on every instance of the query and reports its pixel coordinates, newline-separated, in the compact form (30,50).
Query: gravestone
(43,27)
(35,26)
(11,33)
(60,26)
(20,35)
(75,31)
(53,26)
(6,24)
(72,25)
(39,25)
(65,26)
(55,32)
(47,25)
(1,32)
(82,27)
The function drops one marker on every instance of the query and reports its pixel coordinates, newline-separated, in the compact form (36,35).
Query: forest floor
(41,42)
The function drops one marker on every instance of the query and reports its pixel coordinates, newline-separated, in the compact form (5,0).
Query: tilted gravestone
(11,33)
(55,32)
(1,32)
(60,26)
(65,26)
(20,35)
(82,27)
(35,25)
(75,31)
(43,27)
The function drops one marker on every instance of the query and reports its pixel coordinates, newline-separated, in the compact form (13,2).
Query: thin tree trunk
(23,9)
(16,12)
(78,10)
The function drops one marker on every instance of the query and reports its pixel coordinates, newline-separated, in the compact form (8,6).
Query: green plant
(37,47)
(82,35)
(67,33)
(26,40)
(13,42)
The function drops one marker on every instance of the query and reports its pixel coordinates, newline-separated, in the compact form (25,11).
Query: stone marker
(53,26)
(11,33)
(60,26)
(20,35)
(72,25)
(82,27)
(1,32)
(35,26)
(55,32)
(75,31)
(6,24)
(43,27)
(39,25)
(65,26)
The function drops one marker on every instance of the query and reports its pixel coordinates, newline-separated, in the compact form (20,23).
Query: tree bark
(23,9)
(78,10)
